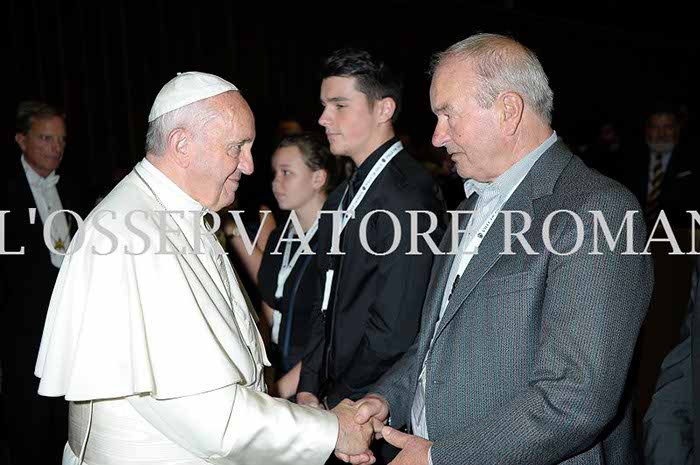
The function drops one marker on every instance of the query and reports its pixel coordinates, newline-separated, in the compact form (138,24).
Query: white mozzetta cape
(123,324)
(157,323)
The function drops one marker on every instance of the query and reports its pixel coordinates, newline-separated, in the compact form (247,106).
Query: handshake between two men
(360,421)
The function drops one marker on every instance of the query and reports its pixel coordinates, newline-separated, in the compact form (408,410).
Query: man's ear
(386,108)
(511,106)
(318,179)
(21,140)
(179,147)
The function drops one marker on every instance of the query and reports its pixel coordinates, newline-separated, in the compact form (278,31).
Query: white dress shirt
(47,201)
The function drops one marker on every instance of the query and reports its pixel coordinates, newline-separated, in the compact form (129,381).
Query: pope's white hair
(190,117)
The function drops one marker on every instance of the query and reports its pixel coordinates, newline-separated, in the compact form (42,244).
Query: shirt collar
(504,183)
(168,192)
(663,156)
(35,180)
(471,186)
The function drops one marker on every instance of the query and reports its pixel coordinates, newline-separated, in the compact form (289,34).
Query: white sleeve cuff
(235,425)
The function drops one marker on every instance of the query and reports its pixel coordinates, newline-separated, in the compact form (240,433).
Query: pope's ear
(179,147)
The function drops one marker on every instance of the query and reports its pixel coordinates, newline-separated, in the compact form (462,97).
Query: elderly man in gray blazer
(525,345)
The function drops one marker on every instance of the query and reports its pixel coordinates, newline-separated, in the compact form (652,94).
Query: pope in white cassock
(148,334)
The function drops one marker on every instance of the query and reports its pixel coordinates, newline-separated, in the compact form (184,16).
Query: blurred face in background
(662,132)
(294,184)
(43,144)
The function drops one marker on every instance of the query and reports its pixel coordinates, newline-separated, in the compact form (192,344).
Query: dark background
(104,63)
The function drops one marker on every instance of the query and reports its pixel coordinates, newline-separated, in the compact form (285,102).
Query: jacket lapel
(441,272)
(547,171)
(490,250)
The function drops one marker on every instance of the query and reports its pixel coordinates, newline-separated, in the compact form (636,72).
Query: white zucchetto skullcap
(186,88)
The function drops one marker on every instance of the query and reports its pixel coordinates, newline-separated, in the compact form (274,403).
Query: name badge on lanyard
(362,191)
(285,270)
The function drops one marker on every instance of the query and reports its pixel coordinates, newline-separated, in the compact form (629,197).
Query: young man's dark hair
(373,77)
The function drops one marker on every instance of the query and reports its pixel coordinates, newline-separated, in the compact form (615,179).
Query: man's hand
(374,408)
(353,439)
(308,399)
(414,450)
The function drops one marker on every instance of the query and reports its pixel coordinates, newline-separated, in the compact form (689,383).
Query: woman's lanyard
(287,264)
(283,275)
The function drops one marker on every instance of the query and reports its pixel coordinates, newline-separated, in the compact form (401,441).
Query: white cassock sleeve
(237,425)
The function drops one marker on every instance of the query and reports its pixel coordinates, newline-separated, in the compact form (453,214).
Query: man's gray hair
(502,64)
(190,116)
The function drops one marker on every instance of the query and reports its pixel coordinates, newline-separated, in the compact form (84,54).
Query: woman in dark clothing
(288,281)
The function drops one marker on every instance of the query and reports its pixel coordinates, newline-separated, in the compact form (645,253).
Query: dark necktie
(352,189)
(454,286)
(654,194)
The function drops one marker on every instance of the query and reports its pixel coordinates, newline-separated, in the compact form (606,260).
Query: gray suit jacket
(530,361)
(669,421)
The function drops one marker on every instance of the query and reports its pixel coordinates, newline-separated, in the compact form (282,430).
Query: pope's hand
(353,438)
(372,410)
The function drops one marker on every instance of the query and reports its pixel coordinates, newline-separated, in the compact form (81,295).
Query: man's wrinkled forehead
(41,122)
(231,108)
(241,117)
(450,79)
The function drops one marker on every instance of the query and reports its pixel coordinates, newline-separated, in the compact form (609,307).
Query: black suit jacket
(36,426)
(375,309)
(680,190)
(26,281)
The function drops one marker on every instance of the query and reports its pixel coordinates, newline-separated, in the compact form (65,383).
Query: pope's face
(222,151)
